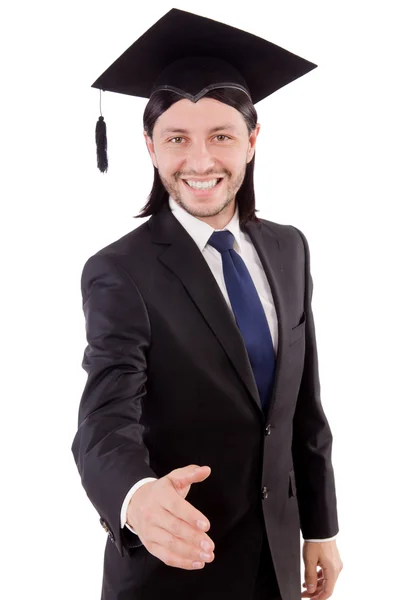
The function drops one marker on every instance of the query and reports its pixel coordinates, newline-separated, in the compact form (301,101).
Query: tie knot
(222,240)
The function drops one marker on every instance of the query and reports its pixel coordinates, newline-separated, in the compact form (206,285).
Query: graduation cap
(191,55)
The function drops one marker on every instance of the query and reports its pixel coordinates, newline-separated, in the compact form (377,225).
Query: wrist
(135,502)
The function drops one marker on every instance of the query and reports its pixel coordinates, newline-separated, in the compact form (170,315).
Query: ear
(252,142)
(150,147)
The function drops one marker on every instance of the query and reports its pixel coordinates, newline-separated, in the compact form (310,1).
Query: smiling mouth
(209,184)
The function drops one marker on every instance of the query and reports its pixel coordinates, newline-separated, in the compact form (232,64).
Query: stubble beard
(232,187)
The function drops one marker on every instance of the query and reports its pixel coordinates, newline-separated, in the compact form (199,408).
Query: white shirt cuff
(123,514)
(324,540)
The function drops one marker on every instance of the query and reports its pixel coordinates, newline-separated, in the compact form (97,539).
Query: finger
(326,591)
(320,586)
(322,596)
(314,595)
(174,526)
(181,546)
(330,577)
(319,581)
(175,552)
(311,576)
(320,577)
(173,560)
(313,573)
(182,509)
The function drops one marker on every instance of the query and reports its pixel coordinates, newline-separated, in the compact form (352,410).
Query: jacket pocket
(297,331)
(292,484)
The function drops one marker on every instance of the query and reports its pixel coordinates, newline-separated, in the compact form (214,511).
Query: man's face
(202,144)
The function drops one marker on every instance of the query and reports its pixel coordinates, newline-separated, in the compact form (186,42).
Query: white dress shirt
(201,232)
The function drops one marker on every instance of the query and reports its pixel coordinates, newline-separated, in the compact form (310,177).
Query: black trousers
(266,586)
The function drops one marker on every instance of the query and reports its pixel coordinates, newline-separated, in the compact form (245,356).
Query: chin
(204,207)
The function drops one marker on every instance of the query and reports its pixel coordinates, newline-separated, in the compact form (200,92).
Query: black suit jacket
(170,384)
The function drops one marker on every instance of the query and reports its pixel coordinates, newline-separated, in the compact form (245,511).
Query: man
(200,427)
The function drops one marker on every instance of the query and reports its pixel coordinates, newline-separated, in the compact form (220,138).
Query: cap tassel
(101,143)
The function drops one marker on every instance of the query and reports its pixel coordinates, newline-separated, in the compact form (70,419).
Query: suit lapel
(185,260)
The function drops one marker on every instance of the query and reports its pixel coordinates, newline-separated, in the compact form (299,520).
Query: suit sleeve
(312,437)
(108,447)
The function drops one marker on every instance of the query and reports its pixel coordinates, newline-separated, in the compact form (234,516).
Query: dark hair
(159,103)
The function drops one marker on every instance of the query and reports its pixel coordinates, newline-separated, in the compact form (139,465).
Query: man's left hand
(320,584)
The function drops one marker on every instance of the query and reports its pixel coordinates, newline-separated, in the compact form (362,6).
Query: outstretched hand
(169,526)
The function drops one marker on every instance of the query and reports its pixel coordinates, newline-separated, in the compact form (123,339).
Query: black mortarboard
(191,55)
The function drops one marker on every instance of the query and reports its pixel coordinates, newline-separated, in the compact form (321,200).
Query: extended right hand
(167,524)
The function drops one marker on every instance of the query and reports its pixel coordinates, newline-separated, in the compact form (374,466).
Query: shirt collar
(201,231)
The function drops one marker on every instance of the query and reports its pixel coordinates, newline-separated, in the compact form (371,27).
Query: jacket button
(104,524)
(265,493)
(268,430)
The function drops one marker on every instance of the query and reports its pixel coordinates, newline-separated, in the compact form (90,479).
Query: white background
(325,163)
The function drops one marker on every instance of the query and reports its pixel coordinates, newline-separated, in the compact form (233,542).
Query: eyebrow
(225,127)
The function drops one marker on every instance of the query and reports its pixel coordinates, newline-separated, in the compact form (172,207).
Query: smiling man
(202,441)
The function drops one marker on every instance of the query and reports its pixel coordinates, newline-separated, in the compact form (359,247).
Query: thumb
(311,577)
(201,473)
(190,473)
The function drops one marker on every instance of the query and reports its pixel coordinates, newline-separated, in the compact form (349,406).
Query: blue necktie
(248,310)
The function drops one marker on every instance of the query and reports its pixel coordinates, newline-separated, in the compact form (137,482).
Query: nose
(199,158)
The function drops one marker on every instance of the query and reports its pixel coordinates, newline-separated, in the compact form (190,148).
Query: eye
(176,138)
(221,135)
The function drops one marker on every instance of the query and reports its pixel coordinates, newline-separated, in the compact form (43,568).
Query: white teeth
(202,185)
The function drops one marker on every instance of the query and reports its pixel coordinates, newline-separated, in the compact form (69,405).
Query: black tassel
(101,145)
